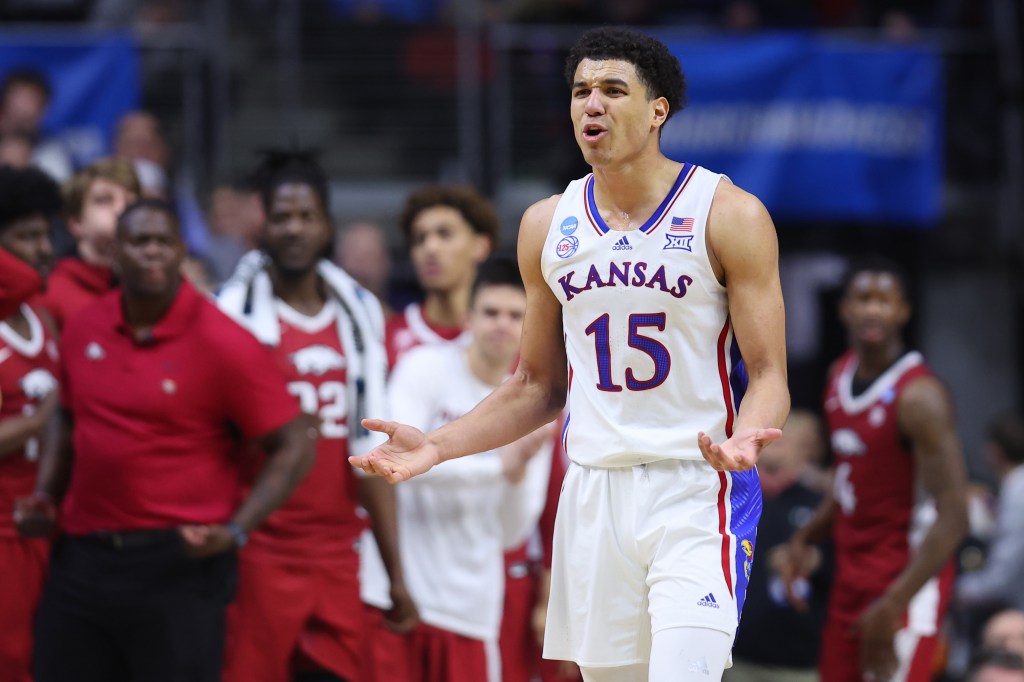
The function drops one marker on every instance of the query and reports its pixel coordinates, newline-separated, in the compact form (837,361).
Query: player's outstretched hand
(738,453)
(407,452)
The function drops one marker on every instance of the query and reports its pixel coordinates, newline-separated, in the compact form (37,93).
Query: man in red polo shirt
(158,387)
(28,371)
(93,199)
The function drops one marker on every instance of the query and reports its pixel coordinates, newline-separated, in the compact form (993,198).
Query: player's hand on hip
(738,453)
(406,453)
(876,629)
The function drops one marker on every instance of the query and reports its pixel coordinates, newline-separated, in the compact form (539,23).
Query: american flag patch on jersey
(682,225)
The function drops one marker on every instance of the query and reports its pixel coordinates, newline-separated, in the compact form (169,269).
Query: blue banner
(94,80)
(818,128)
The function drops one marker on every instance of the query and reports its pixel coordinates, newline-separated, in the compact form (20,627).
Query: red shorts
(520,653)
(291,617)
(427,654)
(24,565)
(839,659)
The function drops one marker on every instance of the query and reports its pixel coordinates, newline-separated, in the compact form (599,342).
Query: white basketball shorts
(644,548)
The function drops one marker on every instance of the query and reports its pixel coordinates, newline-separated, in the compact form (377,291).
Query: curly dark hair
(659,70)
(281,167)
(476,210)
(26,192)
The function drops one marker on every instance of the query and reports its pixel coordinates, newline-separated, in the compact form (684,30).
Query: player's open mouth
(593,132)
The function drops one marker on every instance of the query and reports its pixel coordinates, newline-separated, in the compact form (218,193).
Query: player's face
(496,321)
(874,309)
(613,119)
(298,229)
(28,239)
(445,250)
(95,226)
(148,254)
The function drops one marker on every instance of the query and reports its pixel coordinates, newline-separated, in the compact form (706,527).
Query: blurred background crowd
(865,126)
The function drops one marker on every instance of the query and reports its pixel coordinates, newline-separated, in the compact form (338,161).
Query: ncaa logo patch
(569,225)
(567,247)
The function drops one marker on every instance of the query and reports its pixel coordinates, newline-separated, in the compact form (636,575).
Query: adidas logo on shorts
(622,245)
(708,601)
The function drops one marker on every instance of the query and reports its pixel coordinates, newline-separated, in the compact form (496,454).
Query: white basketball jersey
(646,324)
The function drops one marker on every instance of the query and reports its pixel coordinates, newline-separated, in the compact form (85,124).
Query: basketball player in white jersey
(644,282)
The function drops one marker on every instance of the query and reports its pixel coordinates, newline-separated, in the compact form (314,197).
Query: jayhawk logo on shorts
(748,563)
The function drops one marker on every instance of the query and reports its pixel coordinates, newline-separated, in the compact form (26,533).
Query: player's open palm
(740,451)
(406,453)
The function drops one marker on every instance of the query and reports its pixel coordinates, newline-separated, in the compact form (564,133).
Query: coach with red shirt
(158,389)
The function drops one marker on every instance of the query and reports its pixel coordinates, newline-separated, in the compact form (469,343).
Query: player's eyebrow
(606,81)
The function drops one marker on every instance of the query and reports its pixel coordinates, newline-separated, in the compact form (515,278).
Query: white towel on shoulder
(248,297)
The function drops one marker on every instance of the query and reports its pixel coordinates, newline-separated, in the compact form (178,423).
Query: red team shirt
(72,285)
(405,330)
(28,372)
(319,519)
(881,518)
(875,485)
(157,423)
(18,281)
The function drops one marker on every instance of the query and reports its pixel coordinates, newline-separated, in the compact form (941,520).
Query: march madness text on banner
(819,128)
(94,79)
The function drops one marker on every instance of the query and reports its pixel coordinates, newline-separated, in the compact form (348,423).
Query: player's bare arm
(378,498)
(532,397)
(745,255)
(800,557)
(36,515)
(926,419)
(16,431)
(290,452)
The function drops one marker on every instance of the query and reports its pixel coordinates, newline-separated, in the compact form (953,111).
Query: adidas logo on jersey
(622,245)
(708,601)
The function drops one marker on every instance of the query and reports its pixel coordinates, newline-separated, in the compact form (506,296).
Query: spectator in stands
(24,98)
(236,220)
(158,389)
(361,250)
(93,199)
(997,666)
(15,149)
(1000,581)
(1004,632)
(139,139)
(775,641)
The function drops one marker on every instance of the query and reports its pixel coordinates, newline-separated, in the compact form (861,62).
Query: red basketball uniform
(882,516)
(408,329)
(28,373)
(298,604)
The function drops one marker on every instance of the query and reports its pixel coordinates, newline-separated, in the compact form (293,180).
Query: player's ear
(659,112)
